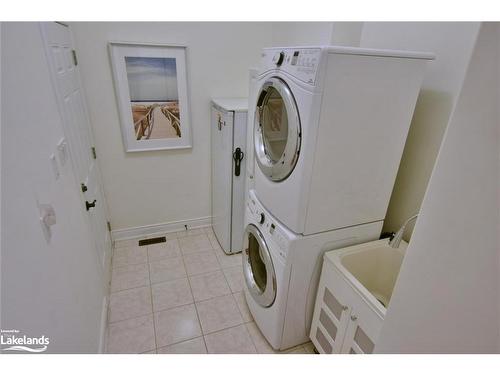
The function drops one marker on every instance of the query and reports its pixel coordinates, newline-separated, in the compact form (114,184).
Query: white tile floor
(181,296)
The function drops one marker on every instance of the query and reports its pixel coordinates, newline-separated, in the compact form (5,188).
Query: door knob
(88,205)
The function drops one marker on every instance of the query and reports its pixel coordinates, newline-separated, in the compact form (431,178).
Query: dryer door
(258,269)
(277,132)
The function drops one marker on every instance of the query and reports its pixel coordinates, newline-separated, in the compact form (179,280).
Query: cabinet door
(360,335)
(222,171)
(331,314)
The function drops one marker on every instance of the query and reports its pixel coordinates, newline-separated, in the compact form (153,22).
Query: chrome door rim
(281,169)
(267,296)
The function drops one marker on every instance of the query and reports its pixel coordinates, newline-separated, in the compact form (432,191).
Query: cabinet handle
(88,205)
(238,156)
(354,318)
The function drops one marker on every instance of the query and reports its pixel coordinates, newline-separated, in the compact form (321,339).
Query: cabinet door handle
(238,157)
(88,205)
(354,318)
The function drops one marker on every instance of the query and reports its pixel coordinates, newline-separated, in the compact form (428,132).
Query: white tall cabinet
(228,142)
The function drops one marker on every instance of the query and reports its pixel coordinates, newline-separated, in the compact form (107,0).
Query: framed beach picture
(151,90)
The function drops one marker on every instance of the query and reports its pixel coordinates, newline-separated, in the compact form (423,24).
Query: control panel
(302,63)
(279,239)
(269,228)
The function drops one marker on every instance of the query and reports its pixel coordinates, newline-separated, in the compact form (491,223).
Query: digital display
(295,57)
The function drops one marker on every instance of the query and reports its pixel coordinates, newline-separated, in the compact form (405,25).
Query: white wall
(219,57)
(165,186)
(301,33)
(1,228)
(347,33)
(447,296)
(52,289)
(498,116)
(316,33)
(452,43)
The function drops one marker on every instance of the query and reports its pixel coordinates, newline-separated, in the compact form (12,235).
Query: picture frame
(151,90)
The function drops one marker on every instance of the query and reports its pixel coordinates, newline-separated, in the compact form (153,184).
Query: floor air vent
(151,241)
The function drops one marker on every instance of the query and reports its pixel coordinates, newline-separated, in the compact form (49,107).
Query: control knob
(278,58)
(262,218)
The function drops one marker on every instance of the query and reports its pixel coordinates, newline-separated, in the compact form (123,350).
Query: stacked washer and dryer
(329,128)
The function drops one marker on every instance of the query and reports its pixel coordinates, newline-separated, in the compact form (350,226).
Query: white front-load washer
(281,271)
(330,126)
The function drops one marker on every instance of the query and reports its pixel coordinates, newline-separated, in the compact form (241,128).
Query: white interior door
(222,164)
(65,76)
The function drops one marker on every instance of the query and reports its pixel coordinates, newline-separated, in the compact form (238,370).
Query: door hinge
(94,155)
(75,60)
(109,225)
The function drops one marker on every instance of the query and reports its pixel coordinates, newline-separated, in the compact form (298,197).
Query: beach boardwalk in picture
(154,97)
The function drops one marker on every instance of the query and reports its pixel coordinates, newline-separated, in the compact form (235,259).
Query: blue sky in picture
(152,79)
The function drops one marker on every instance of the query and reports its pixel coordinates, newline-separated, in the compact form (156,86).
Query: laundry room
(210,186)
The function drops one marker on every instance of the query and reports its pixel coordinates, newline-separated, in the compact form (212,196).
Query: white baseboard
(104,325)
(157,229)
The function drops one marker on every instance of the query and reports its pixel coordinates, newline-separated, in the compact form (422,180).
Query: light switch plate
(62,150)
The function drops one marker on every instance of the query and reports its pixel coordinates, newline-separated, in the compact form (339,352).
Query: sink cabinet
(344,320)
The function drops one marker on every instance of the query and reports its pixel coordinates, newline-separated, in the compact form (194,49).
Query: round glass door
(277,131)
(258,267)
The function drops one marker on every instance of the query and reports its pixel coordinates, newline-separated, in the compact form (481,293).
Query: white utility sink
(372,269)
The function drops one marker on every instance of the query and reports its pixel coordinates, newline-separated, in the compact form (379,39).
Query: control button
(262,218)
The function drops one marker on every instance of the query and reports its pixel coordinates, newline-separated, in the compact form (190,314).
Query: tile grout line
(224,329)
(173,307)
(251,339)
(238,305)
(225,278)
(234,298)
(135,317)
(177,278)
(182,256)
(181,342)
(151,293)
(134,287)
(245,324)
(194,302)
(149,262)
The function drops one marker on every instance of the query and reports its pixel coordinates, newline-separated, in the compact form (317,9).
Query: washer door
(258,269)
(277,132)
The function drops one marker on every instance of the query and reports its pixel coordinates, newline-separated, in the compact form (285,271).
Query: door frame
(106,270)
(63,116)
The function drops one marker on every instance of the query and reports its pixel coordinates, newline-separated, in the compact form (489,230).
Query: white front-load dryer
(330,124)
(281,272)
